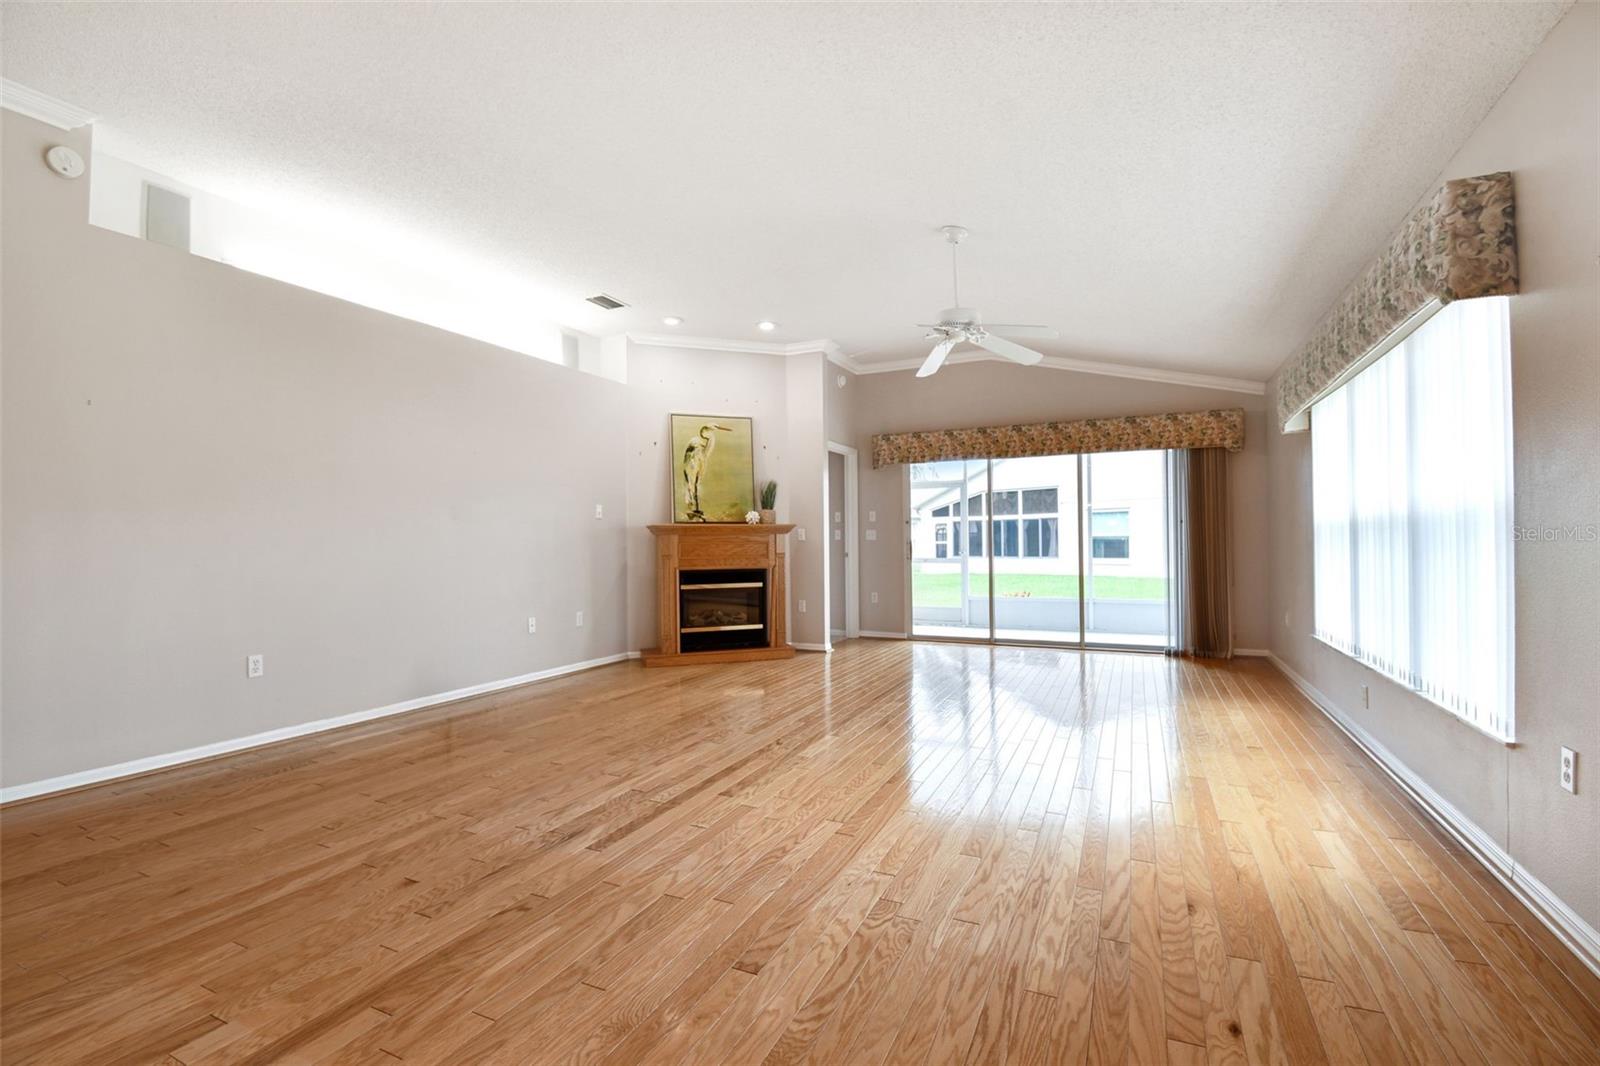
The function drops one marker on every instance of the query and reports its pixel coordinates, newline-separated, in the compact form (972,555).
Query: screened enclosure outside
(996,552)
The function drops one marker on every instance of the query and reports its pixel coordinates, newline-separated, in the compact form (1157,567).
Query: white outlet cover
(874,597)
(599,510)
(580,619)
(800,532)
(838,534)
(872,534)
(533,624)
(255,665)
(872,516)
(801,606)
(1569,770)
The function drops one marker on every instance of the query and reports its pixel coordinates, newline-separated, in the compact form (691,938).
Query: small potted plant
(769,500)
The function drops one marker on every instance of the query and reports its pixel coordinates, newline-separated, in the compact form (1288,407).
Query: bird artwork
(696,457)
(713,474)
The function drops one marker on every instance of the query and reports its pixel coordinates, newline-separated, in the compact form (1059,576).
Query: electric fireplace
(720,595)
(722,609)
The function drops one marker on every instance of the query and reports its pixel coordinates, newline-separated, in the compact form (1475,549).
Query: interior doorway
(842,590)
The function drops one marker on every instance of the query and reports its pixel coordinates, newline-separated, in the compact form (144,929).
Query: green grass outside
(944,590)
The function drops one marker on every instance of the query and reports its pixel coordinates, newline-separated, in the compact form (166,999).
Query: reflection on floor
(900,852)
(1036,636)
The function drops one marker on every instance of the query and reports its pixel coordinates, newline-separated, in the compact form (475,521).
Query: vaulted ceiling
(1185,187)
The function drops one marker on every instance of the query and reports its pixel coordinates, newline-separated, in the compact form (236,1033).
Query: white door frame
(852,547)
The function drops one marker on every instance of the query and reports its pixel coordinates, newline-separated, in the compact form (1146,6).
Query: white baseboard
(1253,653)
(272,736)
(809,647)
(1569,927)
(882,634)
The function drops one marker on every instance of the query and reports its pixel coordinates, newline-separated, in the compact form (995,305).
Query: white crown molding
(15,96)
(840,358)
(1087,366)
(1569,927)
(724,344)
(152,763)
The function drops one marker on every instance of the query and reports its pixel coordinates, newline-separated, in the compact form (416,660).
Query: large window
(1411,505)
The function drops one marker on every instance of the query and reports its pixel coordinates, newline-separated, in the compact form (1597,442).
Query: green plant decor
(769,495)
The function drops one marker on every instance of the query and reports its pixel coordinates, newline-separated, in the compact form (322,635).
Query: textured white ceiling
(1185,187)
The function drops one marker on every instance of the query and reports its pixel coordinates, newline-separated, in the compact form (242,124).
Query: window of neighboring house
(1411,514)
(1108,534)
(1031,536)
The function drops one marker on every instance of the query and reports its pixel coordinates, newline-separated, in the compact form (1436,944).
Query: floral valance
(1460,244)
(1131,433)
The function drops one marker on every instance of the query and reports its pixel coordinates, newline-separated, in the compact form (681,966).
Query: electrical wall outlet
(800,532)
(533,624)
(838,516)
(872,534)
(838,534)
(874,597)
(1569,770)
(255,666)
(580,620)
(599,510)
(800,605)
(1366,696)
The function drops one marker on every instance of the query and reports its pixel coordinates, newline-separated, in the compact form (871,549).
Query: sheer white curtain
(1411,504)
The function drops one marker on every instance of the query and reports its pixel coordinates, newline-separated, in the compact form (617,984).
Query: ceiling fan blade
(1046,332)
(936,357)
(1000,346)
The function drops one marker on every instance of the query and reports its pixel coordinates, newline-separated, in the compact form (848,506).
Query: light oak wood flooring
(900,853)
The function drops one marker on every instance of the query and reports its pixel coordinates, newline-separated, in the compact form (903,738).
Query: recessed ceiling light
(672,320)
(766,327)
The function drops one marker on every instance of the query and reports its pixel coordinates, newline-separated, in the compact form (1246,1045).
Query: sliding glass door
(1125,517)
(949,549)
(1059,549)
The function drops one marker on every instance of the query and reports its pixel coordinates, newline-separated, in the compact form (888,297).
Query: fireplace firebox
(722,609)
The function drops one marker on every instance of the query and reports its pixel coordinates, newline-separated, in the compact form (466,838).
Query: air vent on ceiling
(610,303)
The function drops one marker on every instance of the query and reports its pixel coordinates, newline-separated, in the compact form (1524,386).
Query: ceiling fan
(963,325)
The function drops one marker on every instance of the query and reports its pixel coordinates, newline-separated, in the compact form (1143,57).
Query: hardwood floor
(901,853)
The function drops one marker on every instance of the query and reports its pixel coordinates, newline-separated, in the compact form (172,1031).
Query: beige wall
(1543,130)
(991,393)
(200,464)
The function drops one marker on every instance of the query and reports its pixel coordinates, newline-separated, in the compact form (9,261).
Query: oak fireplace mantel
(720,594)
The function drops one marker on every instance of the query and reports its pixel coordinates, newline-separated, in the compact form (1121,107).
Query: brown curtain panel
(1204,608)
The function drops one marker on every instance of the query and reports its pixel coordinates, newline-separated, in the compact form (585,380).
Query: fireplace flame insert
(722,609)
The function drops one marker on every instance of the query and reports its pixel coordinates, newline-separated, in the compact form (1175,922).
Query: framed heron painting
(713,468)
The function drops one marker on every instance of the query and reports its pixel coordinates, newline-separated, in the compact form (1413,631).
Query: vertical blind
(1411,506)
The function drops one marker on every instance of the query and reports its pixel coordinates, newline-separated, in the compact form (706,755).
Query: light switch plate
(872,516)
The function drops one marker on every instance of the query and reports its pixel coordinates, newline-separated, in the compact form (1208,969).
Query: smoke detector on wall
(64,161)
